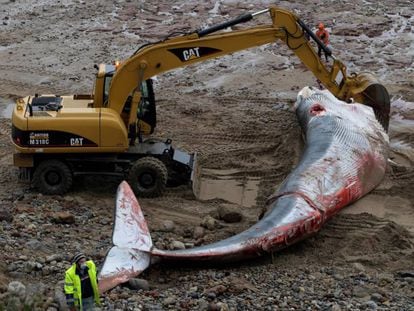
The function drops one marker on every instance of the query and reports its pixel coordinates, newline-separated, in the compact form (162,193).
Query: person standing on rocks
(81,284)
(323,35)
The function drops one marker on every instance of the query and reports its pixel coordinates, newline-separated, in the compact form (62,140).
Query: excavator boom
(201,45)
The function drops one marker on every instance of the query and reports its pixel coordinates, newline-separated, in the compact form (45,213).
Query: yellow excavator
(59,137)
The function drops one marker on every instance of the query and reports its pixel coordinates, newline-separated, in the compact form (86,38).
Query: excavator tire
(52,177)
(148,177)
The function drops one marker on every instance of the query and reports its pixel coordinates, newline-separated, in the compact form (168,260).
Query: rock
(213,307)
(211,295)
(54,257)
(209,223)
(31,227)
(36,289)
(47,270)
(198,232)
(29,266)
(229,214)
(377,297)
(223,306)
(138,284)
(216,290)
(358,266)
(335,307)
(63,218)
(238,285)
(5,215)
(16,288)
(59,296)
(169,301)
(360,291)
(13,266)
(187,233)
(203,305)
(177,245)
(194,295)
(301,291)
(406,274)
(34,245)
(370,305)
(385,278)
(168,226)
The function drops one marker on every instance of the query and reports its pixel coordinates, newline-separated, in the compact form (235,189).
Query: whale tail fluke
(130,253)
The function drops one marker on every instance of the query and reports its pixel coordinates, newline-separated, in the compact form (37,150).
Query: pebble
(177,245)
(169,301)
(371,305)
(168,226)
(34,245)
(198,232)
(377,297)
(138,284)
(63,218)
(208,222)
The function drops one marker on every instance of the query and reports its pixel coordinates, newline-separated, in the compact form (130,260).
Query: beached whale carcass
(344,158)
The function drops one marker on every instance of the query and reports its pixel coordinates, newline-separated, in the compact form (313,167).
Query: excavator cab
(146,114)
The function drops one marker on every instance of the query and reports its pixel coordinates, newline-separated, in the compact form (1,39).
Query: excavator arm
(176,52)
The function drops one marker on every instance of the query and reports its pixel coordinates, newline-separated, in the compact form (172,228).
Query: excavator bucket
(372,93)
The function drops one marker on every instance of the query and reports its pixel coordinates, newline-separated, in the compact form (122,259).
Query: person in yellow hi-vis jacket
(81,284)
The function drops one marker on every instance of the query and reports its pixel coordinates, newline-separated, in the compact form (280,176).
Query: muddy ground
(236,114)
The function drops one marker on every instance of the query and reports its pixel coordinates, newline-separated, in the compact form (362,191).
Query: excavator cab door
(147,114)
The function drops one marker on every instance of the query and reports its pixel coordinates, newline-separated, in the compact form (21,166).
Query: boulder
(63,218)
(229,214)
(17,289)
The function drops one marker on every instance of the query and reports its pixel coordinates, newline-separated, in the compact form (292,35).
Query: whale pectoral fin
(120,265)
(131,239)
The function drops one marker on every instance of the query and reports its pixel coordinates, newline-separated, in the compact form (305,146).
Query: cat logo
(76,142)
(190,53)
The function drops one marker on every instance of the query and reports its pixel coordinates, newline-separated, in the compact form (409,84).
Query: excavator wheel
(148,177)
(52,177)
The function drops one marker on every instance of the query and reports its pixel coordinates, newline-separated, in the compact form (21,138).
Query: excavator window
(108,79)
(146,108)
